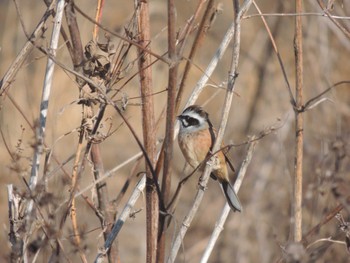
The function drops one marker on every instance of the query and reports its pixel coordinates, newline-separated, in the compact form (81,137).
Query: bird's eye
(190,121)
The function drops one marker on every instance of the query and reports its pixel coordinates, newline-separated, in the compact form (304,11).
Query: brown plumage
(195,139)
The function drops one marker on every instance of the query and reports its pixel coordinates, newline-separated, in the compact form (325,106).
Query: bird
(196,138)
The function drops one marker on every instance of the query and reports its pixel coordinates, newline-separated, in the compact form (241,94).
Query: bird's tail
(231,196)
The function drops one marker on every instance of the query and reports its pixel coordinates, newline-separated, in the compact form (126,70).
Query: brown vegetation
(279,97)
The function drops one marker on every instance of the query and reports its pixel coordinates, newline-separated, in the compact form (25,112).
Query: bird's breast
(195,146)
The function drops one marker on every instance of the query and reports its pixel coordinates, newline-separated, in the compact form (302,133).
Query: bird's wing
(229,162)
(213,133)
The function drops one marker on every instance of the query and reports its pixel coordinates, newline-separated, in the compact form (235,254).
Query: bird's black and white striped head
(193,119)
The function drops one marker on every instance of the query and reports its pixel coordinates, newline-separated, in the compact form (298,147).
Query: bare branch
(291,96)
(25,51)
(161,58)
(345,31)
(122,218)
(299,140)
(219,226)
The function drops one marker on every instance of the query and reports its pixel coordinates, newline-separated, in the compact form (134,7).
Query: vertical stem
(46,93)
(15,225)
(170,123)
(148,122)
(298,173)
(73,211)
(103,201)
(78,52)
(98,16)
(124,215)
(44,105)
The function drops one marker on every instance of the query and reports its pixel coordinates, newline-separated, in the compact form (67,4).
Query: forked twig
(340,26)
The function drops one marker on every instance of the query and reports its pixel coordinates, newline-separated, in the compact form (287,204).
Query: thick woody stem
(298,172)
(148,123)
(170,123)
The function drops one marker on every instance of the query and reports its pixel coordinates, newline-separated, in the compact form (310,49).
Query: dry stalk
(61,165)
(46,94)
(263,69)
(105,214)
(219,226)
(148,127)
(318,226)
(25,51)
(194,48)
(273,42)
(170,120)
(77,58)
(298,172)
(14,208)
(43,113)
(71,205)
(76,52)
(148,51)
(98,16)
(122,218)
(109,173)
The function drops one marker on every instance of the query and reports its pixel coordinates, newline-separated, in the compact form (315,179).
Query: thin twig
(71,205)
(329,239)
(125,120)
(219,226)
(38,32)
(209,70)
(109,173)
(291,96)
(311,102)
(345,31)
(194,48)
(77,57)
(161,58)
(296,14)
(98,16)
(122,218)
(324,221)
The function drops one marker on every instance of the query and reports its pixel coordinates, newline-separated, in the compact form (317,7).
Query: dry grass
(262,232)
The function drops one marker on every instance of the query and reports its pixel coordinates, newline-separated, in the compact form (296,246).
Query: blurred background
(262,231)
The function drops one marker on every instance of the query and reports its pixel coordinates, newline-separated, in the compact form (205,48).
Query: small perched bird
(196,138)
